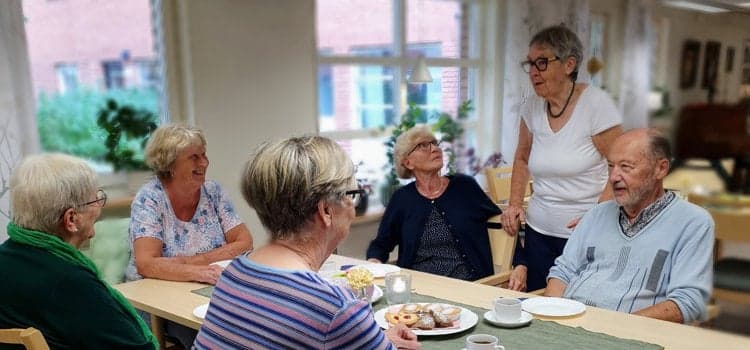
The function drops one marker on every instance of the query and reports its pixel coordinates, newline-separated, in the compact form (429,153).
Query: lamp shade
(419,73)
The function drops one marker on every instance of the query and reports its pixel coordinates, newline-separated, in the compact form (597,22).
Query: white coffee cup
(482,342)
(507,309)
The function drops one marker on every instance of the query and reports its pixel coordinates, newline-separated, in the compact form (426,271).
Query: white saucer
(526,318)
(200,311)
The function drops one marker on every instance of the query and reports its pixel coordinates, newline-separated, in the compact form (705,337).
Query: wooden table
(175,302)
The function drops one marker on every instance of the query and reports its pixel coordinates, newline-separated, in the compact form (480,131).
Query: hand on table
(208,273)
(402,337)
(517,279)
(511,219)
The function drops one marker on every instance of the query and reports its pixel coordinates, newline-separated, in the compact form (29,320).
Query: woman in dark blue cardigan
(438,222)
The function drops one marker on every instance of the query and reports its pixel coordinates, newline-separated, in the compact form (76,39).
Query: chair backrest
(502,244)
(498,183)
(110,248)
(731,224)
(30,337)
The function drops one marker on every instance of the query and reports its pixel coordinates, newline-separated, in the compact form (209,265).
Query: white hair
(43,186)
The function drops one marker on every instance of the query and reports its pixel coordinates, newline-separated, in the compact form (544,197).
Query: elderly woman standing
(46,282)
(303,190)
(438,222)
(563,139)
(181,222)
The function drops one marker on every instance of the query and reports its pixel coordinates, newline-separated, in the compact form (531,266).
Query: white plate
(552,306)
(222,263)
(200,311)
(526,318)
(467,320)
(378,270)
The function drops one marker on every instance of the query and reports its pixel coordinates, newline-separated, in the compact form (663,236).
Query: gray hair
(165,144)
(286,179)
(44,186)
(658,146)
(563,41)
(404,144)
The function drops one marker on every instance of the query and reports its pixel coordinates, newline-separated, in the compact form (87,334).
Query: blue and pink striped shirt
(260,307)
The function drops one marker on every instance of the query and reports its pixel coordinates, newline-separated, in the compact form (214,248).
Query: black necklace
(549,109)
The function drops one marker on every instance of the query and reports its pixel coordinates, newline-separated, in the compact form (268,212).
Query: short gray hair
(166,142)
(404,144)
(286,179)
(44,186)
(563,41)
(658,146)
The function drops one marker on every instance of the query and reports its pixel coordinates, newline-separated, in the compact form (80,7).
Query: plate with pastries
(427,318)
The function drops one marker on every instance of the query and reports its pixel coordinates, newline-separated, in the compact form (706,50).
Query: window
(364,61)
(78,62)
(67,77)
(113,75)
(596,33)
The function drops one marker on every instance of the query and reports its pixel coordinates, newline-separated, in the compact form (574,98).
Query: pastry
(425,321)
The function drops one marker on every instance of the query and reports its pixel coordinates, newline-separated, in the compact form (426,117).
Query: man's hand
(402,337)
(517,280)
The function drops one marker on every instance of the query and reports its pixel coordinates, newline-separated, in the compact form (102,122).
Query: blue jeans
(538,254)
(183,335)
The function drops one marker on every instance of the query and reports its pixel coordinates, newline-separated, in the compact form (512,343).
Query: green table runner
(538,335)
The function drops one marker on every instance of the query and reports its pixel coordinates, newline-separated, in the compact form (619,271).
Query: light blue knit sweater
(669,259)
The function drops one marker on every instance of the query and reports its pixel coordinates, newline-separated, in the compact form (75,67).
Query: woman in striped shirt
(303,190)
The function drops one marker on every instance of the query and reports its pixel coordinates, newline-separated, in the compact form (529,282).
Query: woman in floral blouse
(181,222)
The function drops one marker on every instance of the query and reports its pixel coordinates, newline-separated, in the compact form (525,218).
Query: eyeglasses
(540,63)
(355,195)
(100,201)
(425,146)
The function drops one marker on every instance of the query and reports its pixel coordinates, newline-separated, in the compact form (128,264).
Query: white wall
(18,134)
(244,72)
(728,29)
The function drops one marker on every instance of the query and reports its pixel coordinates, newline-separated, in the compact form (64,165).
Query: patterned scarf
(57,247)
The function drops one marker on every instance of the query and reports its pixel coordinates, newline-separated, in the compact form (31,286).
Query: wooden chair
(498,183)
(503,246)
(731,275)
(31,338)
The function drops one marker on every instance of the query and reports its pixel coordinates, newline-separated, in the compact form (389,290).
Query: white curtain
(636,64)
(523,20)
(18,132)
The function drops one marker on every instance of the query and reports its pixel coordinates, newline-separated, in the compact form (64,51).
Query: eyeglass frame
(103,199)
(534,63)
(434,142)
(356,195)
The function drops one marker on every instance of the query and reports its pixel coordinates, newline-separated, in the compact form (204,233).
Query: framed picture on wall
(746,56)
(689,64)
(746,76)
(730,59)
(711,64)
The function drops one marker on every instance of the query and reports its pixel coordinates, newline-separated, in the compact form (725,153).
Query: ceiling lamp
(419,73)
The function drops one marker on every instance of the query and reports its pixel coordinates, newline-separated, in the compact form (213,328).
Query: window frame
(400,63)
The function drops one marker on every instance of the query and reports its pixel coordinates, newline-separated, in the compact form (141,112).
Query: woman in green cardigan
(47,283)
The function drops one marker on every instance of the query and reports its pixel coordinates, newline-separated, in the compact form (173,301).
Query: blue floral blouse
(151,215)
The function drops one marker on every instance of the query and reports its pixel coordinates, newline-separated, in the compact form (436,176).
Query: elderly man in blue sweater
(648,252)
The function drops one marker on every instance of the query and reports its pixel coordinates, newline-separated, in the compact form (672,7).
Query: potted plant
(127,130)
(448,128)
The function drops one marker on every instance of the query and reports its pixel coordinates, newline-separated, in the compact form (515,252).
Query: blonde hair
(404,144)
(286,179)
(165,144)
(44,186)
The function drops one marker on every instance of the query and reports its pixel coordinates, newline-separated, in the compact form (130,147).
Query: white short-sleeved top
(569,172)
(151,215)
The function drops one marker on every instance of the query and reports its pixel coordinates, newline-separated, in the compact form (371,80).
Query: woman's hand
(511,219)
(374,261)
(517,280)
(573,223)
(402,337)
(208,273)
